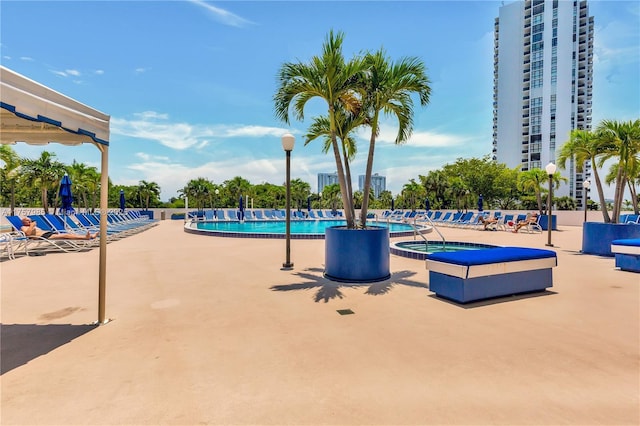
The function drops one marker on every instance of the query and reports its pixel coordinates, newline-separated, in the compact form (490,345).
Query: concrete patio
(209,330)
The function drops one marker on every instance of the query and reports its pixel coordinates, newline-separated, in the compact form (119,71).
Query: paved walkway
(209,330)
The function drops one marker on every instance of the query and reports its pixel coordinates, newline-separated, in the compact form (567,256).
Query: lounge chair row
(119,225)
(470,220)
(262,214)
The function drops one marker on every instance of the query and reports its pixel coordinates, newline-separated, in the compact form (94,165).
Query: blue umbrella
(427,205)
(241,209)
(308,203)
(122,201)
(392,204)
(65,195)
(480,203)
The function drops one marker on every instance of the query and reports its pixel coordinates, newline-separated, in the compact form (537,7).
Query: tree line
(35,182)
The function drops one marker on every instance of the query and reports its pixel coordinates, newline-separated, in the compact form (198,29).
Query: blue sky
(189,84)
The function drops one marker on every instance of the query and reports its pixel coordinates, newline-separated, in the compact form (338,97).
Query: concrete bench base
(482,274)
(627,254)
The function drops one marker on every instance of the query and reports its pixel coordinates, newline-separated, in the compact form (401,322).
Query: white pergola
(37,115)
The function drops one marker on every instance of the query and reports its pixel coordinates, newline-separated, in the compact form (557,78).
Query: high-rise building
(325,179)
(543,66)
(378,183)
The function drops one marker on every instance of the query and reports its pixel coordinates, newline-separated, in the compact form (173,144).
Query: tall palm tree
(199,191)
(623,139)
(412,192)
(45,174)
(237,187)
(147,190)
(10,172)
(346,123)
(389,87)
(83,178)
(332,79)
(436,183)
(583,146)
(532,180)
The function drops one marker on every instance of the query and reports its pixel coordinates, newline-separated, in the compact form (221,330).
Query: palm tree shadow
(328,290)
(22,343)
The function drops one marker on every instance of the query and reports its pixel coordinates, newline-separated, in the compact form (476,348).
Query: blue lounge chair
(38,244)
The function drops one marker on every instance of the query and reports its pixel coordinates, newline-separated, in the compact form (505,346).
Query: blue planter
(544,219)
(357,255)
(148,213)
(597,236)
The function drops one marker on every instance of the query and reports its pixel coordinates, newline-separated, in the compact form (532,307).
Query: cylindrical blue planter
(543,222)
(597,236)
(357,255)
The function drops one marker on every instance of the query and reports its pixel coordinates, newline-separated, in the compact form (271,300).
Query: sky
(189,84)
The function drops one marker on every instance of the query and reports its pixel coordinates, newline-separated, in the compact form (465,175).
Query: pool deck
(209,330)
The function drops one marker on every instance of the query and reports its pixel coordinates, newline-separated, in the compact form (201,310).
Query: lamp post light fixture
(288,141)
(586,184)
(215,204)
(551,169)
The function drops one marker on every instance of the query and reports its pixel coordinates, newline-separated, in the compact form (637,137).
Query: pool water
(420,250)
(307,229)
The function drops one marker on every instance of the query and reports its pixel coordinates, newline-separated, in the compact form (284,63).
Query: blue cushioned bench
(627,254)
(465,276)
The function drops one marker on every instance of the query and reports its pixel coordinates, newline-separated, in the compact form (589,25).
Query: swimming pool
(419,250)
(300,229)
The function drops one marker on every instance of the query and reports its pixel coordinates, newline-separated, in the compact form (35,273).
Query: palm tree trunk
(368,172)
(346,201)
(634,196)
(618,194)
(539,199)
(349,184)
(13,198)
(45,205)
(603,204)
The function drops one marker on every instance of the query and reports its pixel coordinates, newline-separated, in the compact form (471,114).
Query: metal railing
(434,227)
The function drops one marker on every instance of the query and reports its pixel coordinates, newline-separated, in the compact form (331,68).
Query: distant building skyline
(378,182)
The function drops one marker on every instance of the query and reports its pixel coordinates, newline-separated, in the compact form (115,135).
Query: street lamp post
(586,184)
(288,141)
(551,169)
(215,204)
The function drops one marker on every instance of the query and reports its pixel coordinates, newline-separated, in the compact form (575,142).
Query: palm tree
(237,187)
(85,180)
(45,174)
(331,193)
(146,190)
(389,87)
(436,183)
(346,122)
(199,191)
(583,146)
(10,172)
(412,192)
(623,141)
(532,180)
(332,79)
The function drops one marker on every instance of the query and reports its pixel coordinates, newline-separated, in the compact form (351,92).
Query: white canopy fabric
(37,115)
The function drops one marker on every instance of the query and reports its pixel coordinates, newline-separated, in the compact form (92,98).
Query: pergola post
(104,204)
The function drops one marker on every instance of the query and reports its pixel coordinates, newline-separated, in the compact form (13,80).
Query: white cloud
(157,127)
(141,70)
(67,73)
(26,58)
(420,138)
(223,16)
